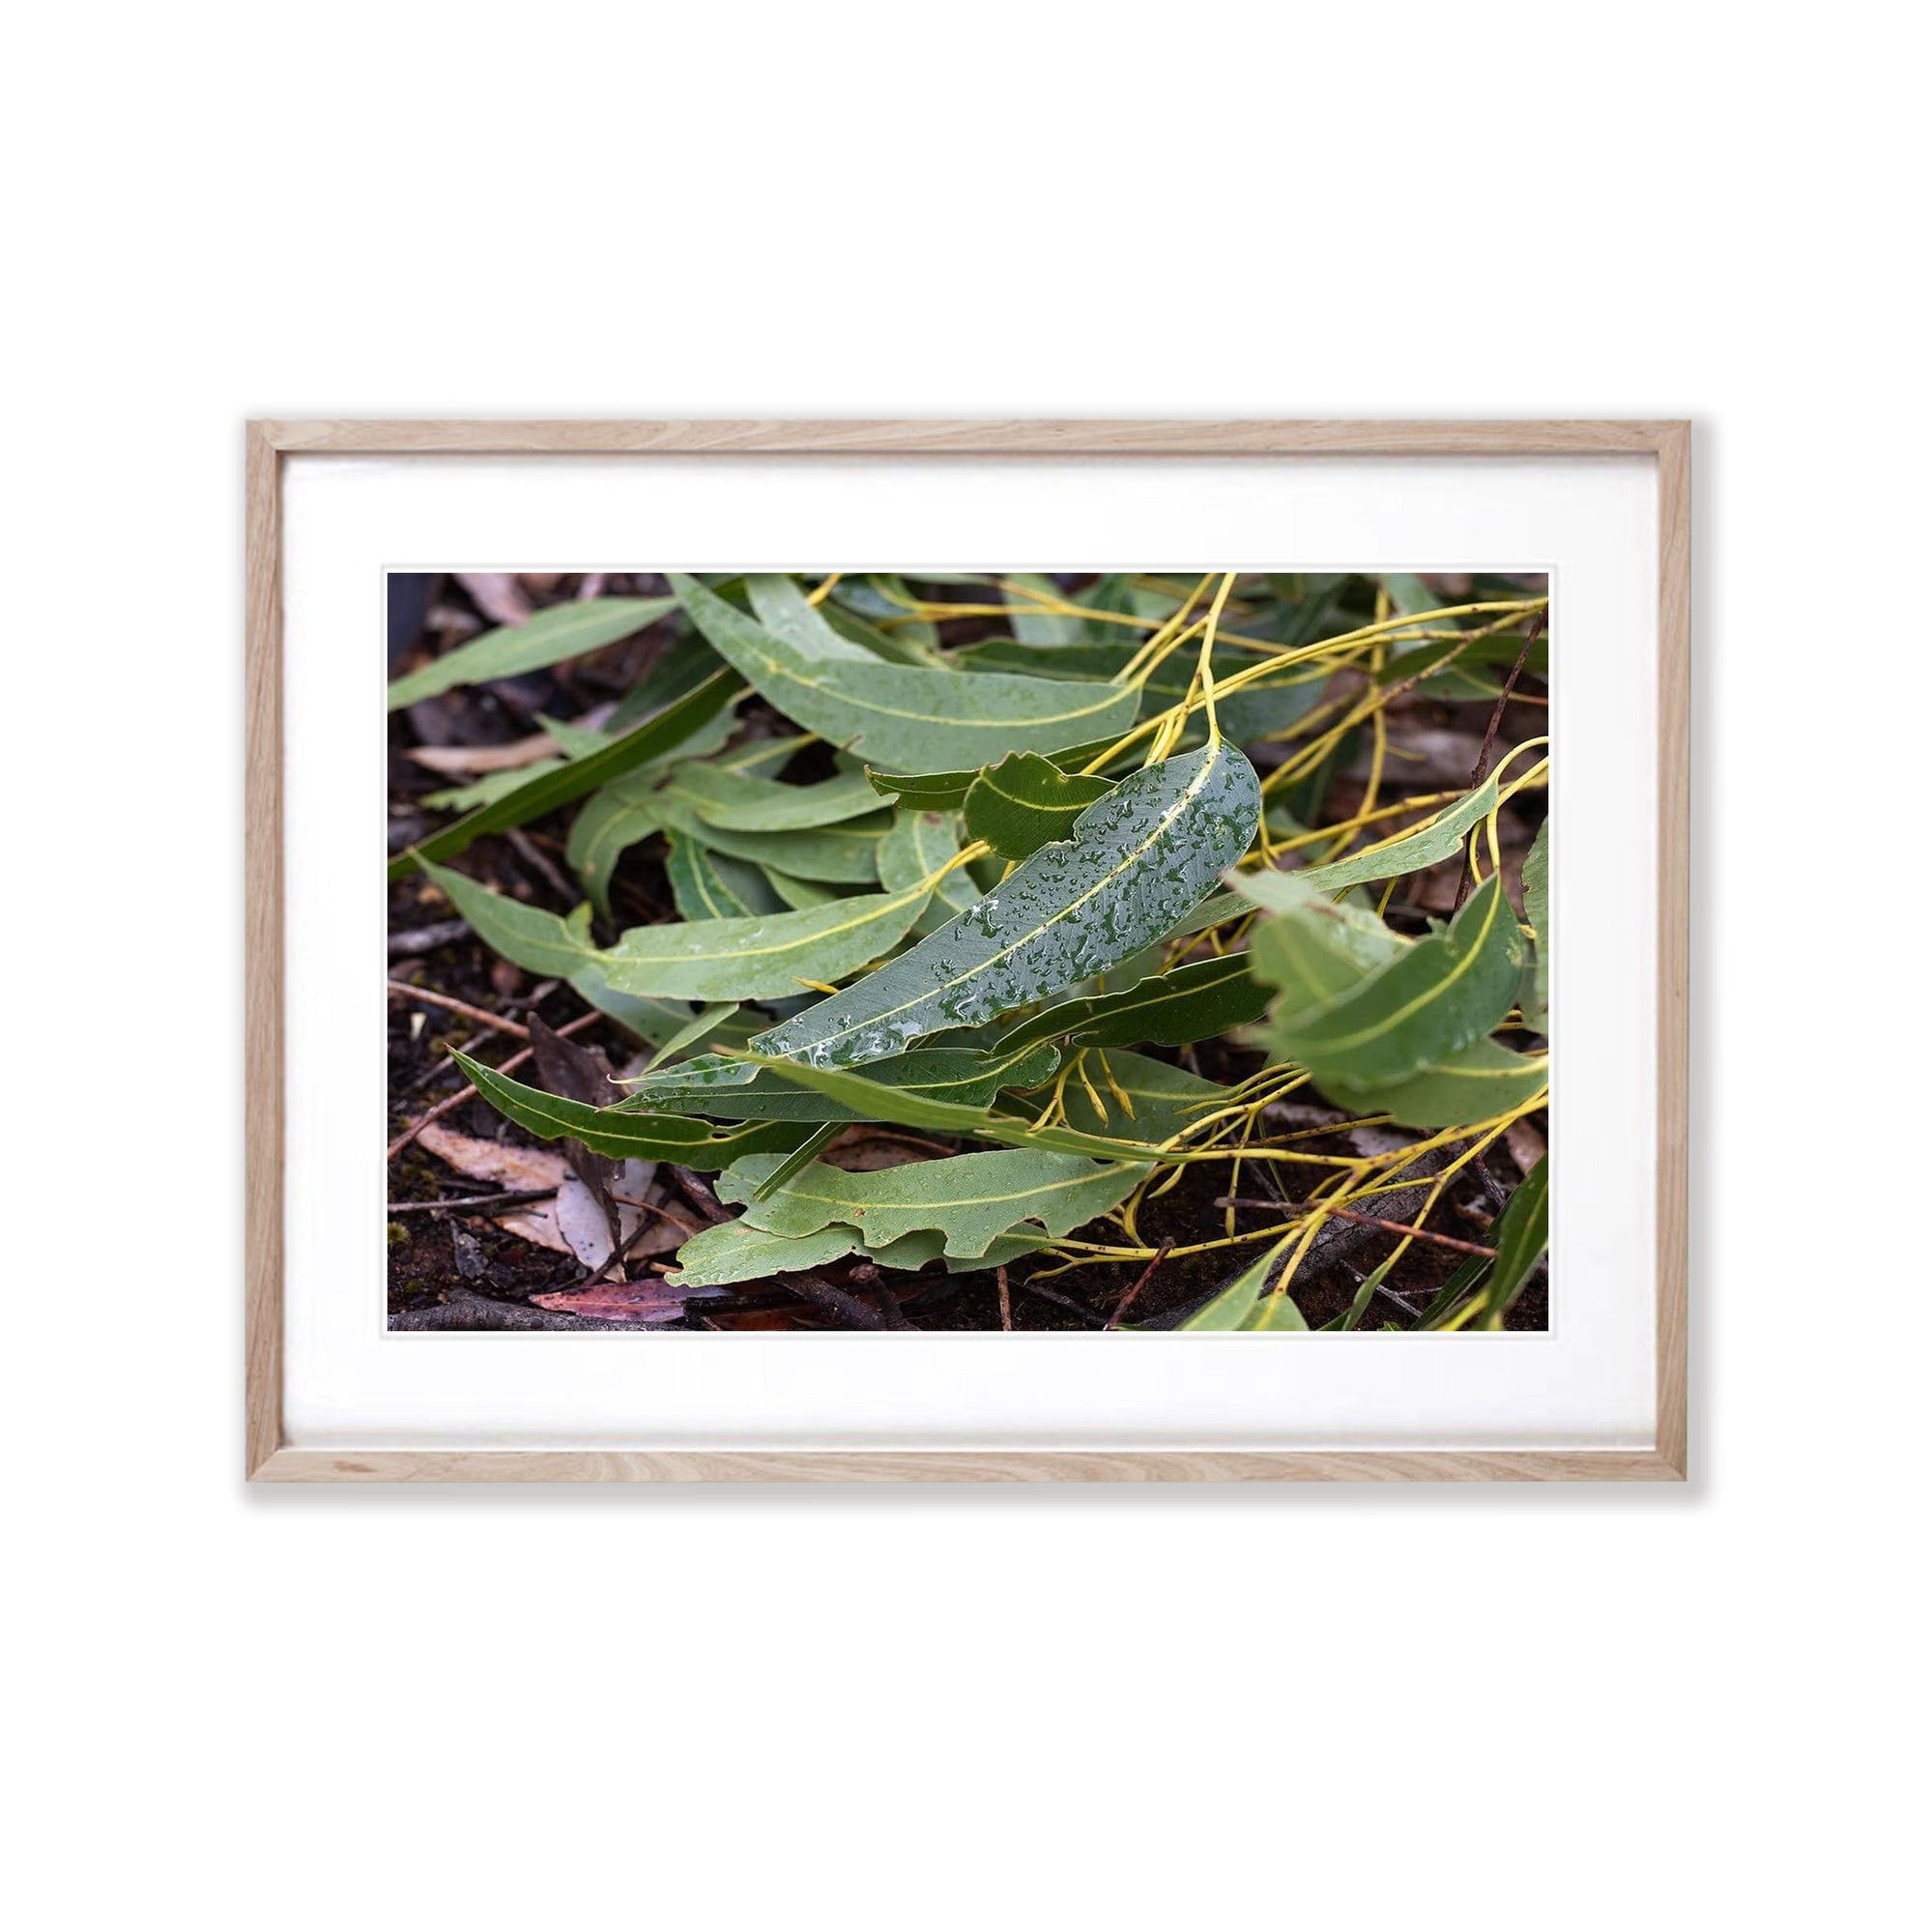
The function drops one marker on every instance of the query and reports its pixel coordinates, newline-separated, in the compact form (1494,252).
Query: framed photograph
(967,951)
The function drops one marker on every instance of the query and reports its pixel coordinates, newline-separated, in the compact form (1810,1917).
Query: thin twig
(1530,636)
(1482,766)
(479,1014)
(470,1201)
(541,861)
(835,1301)
(1402,1227)
(1146,1275)
(426,938)
(468,1090)
(1005,1299)
(1088,1316)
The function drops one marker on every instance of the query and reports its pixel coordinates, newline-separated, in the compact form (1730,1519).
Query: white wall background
(1498,1709)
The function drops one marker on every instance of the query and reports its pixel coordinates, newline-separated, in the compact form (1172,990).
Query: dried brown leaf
(497,594)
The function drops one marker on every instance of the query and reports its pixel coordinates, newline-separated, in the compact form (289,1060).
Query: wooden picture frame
(269,1457)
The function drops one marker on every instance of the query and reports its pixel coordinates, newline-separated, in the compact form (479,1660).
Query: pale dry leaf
(536,1224)
(523,1169)
(580,1216)
(497,594)
(1525,1145)
(476,761)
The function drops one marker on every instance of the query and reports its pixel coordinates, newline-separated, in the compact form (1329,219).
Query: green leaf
(784,610)
(1170,1009)
(970,1199)
(1137,862)
(486,790)
(563,630)
(1519,1237)
(734,1089)
(620,815)
(802,893)
(1025,802)
(918,843)
(707,885)
(1275,1313)
(1233,1305)
(1032,626)
(651,1136)
(770,957)
(728,799)
(1536,904)
(668,1025)
(580,776)
(683,667)
(846,854)
(1430,1000)
(1164,1099)
(1318,948)
(947,791)
(1440,839)
(704,1024)
(905,715)
(527,935)
(734,1250)
(874,1100)
(1477,1083)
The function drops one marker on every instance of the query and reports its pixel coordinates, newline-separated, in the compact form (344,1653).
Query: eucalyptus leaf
(707,885)
(947,791)
(669,1025)
(731,1089)
(1234,1304)
(917,847)
(1027,801)
(1477,1083)
(1137,862)
(651,1136)
(728,799)
(620,817)
(905,715)
(577,777)
(761,958)
(874,1100)
(1317,948)
(1536,904)
(1033,625)
(563,630)
(734,1250)
(784,610)
(527,935)
(847,854)
(1519,1237)
(970,1199)
(1170,1009)
(800,893)
(1129,1097)
(1440,839)
(1413,1012)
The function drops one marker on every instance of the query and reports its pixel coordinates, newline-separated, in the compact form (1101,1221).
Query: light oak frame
(269,1459)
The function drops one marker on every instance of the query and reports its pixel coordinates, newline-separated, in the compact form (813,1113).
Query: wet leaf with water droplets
(1138,859)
